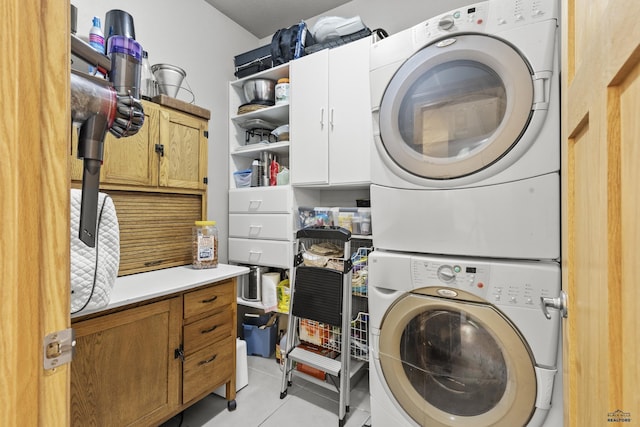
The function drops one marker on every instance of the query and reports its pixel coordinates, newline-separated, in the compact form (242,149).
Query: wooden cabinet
(169,151)
(331,117)
(140,366)
(209,341)
(124,371)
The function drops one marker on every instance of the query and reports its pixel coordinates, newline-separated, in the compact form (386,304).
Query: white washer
(463,342)
(466,115)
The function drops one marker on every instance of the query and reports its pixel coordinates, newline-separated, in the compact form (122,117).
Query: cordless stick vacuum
(98,105)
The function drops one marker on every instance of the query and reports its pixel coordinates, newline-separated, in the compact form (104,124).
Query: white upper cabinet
(330,117)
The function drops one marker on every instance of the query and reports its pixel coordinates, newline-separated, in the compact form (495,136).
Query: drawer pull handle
(204,362)
(254,230)
(212,299)
(254,204)
(211,329)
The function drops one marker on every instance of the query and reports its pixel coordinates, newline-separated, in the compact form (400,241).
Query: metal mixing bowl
(259,91)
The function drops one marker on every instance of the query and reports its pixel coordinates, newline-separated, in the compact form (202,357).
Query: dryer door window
(456,107)
(447,360)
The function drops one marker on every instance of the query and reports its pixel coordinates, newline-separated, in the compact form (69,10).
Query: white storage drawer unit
(270,253)
(276,199)
(261,226)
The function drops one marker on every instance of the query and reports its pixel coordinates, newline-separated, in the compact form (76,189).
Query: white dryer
(463,342)
(467,133)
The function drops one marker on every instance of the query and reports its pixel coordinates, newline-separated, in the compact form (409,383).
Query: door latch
(559,303)
(59,348)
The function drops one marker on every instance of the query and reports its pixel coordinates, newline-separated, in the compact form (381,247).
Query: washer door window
(456,363)
(456,107)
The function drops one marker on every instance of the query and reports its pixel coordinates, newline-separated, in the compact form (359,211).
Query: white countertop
(143,286)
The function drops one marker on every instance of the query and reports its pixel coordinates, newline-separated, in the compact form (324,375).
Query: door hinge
(160,149)
(58,348)
(178,353)
(205,180)
(206,134)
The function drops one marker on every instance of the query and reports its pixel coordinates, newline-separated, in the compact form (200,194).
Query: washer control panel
(498,282)
(466,277)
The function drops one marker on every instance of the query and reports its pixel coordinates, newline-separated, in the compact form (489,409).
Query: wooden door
(601,211)
(34,208)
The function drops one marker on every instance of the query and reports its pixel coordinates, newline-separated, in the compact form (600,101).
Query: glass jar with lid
(205,245)
(282,91)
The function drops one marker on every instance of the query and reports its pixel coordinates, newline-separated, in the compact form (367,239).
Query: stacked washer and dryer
(465,283)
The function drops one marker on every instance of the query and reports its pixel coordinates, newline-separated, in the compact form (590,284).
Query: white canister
(282,91)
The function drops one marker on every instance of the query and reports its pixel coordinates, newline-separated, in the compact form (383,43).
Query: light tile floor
(259,403)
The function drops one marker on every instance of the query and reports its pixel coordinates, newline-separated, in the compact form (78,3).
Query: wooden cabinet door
(309,119)
(601,201)
(183,163)
(126,161)
(124,371)
(132,160)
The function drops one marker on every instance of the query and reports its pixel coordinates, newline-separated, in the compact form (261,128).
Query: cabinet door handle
(204,362)
(331,119)
(321,118)
(211,329)
(212,299)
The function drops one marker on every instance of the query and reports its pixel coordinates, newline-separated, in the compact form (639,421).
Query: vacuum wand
(91,150)
(98,105)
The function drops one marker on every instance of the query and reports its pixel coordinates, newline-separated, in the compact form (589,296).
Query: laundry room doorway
(601,226)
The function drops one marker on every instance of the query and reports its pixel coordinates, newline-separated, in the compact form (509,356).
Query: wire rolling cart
(321,301)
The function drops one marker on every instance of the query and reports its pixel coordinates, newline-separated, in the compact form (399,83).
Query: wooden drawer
(261,252)
(207,369)
(209,299)
(276,199)
(261,226)
(207,331)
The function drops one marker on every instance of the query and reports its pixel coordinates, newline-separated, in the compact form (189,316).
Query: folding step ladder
(321,292)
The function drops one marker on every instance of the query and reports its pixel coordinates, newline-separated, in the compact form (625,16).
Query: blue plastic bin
(260,342)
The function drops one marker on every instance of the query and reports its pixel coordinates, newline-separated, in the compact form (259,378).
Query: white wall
(196,37)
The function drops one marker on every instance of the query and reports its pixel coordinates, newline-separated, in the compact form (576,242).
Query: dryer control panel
(505,283)
(485,17)
(469,19)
